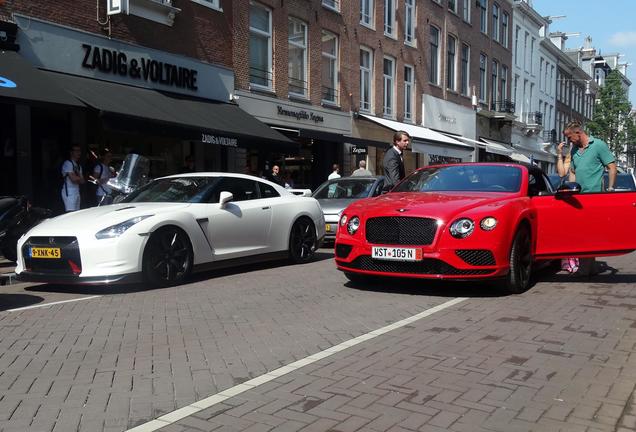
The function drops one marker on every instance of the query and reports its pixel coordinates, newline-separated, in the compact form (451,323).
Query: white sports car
(171,227)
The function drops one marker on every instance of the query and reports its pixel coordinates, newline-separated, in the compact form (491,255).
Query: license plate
(328,227)
(396,254)
(46,252)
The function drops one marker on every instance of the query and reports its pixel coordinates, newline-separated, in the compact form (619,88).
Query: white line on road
(51,304)
(181,413)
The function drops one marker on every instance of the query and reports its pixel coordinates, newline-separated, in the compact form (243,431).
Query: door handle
(266,208)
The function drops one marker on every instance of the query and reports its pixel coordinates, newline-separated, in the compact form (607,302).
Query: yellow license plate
(328,227)
(42,252)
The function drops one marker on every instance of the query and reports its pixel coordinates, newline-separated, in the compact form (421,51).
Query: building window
(409,91)
(450,62)
(466,10)
(495,21)
(389,87)
(297,57)
(452,6)
(331,4)
(434,61)
(525,51)
(516,54)
(329,67)
(494,93)
(260,48)
(505,20)
(483,60)
(366,12)
(214,4)
(409,22)
(532,42)
(366,78)
(389,18)
(465,70)
(504,83)
(483,16)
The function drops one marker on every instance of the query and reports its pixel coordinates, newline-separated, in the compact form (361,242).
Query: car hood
(335,206)
(97,218)
(431,204)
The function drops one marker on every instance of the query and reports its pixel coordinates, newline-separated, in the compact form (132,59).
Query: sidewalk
(7,275)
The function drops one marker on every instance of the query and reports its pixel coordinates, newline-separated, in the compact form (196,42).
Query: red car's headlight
(462,228)
(353,225)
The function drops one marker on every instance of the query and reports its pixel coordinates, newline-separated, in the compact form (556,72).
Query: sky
(610,23)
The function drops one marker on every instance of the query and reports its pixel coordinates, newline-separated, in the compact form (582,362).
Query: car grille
(476,257)
(429,266)
(70,260)
(343,250)
(397,230)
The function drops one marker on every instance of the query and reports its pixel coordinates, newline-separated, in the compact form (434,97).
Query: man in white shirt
(101,174)
(73,178)
(336,172)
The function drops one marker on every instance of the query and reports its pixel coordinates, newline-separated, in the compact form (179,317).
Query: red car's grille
(428,266)
(476,257)
(399,230)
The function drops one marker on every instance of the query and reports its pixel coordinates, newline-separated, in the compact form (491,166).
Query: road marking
(181,413)
(51,304)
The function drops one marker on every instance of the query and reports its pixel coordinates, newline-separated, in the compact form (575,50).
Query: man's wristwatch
(610,189)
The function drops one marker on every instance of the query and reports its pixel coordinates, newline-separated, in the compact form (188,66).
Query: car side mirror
(568,188)
(225,198)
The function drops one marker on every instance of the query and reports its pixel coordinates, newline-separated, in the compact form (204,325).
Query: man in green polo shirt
(590,158)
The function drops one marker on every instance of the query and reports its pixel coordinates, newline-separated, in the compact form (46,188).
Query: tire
(302,241)
(518,279)
(167,257)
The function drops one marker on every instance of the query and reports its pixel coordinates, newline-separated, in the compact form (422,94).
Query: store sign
(359,150)
(116,62)
(299,114)
(434,159)
(114,7)
(219,140)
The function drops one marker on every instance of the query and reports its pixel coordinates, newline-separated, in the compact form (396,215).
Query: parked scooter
(17,216)
(132,175)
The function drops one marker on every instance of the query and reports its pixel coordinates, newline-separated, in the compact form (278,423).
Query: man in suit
(393,162)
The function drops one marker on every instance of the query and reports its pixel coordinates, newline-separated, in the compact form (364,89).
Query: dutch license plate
(396,254)
(46,252)
(328,227)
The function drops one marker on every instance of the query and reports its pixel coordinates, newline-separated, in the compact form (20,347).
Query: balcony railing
(297,86)
(260,77)
(504,106)
(550,136)
(534,118)
(329,95)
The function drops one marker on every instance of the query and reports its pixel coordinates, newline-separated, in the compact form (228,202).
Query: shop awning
(213,122)
(498,147)
(21,81)
(419,133)
(535,153)
(520,157)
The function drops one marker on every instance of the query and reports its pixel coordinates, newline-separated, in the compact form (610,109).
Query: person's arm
(392,171)
(71,174)
(562,166)
(611,174)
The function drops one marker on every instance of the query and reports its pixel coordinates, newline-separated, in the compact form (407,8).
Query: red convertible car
(480,221)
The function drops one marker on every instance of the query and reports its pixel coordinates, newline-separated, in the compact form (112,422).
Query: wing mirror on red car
(568,188)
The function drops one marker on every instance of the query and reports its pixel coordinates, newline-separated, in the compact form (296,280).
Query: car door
(241,227)
(580,224)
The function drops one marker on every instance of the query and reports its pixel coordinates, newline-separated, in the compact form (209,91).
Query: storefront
(532,147)
(322,135)
(133,99)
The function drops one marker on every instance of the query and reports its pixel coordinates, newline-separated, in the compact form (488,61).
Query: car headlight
(462,228)
(343,220)
(117,230)
(488,223)
(353,225)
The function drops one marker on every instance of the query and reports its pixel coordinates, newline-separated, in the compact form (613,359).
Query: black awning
(205,120)
(21,81)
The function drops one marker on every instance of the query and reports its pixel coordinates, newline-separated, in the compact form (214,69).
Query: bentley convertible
(171,227)
(480,221)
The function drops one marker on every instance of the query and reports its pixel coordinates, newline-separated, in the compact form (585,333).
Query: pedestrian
(393,162)
(589,158)
(73,177)
(100,176)
(276,177)
(188,166)
(335,173)
(362,169)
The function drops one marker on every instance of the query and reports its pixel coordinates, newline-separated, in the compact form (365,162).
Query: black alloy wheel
(168,257)
(518,279)
(302,241)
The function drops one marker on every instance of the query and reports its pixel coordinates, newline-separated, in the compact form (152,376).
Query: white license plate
(396,254)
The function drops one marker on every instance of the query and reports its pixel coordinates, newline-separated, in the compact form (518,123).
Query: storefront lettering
(219,140)
(358,150)
(300,115)
(451,120)
(117,63)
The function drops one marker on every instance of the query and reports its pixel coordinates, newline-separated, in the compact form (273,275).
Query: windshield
(178,189)
(345,188)
(474,178)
